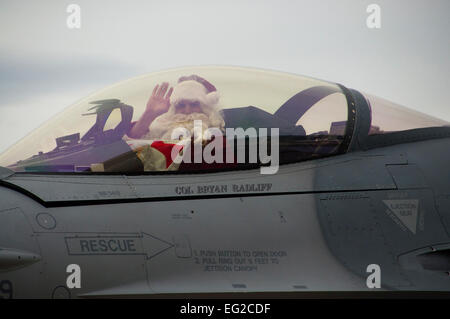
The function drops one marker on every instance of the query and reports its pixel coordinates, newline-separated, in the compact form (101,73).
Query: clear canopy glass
(388,117)
(312,115)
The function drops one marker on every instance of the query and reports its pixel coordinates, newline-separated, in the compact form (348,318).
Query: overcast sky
(45,66)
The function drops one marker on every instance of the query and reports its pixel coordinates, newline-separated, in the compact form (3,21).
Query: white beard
(162,128)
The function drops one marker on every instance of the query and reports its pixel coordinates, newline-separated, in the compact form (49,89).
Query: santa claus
(192,101)
(193,98)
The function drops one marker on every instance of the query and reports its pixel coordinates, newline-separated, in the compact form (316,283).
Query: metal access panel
(355,236)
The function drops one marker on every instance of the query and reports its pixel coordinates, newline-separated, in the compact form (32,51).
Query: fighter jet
(355,196)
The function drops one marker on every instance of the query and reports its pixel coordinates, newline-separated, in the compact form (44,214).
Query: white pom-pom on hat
(212,98)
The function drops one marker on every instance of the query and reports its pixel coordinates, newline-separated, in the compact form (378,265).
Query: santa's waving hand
(158,104)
